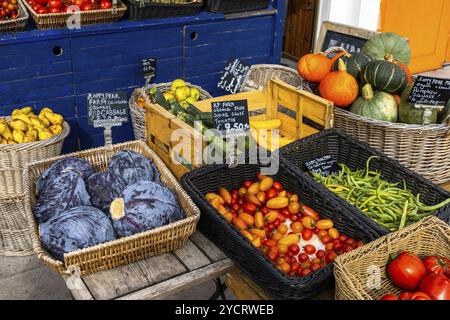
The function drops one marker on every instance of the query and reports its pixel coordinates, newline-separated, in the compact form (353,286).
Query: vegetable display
(423,279)
(377,105)
(391,205)
(314,67)
(77,207)
(383,44)
(354,63)
(9,10)
(385,75)
(288,232)
(63,6)
(25,126)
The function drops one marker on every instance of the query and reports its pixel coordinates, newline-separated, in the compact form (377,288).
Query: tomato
(307,211)
(326,240)
(404,296)
(283,229)
(309,249)
(350,242)
(435,264)
(247,235)
(270,194)
(294,207)
(315,267)
(293,217)
(330,257)
(333,233)
(342,238)
(265,210)
(282,248)
(265,184)
(437,286)
(247,184)
(261,196)
(347,248)
(359,244)
(277,236)
(320,254)
(277,186)
(55,10)
(419,296)
(277,203)
(306,271)
(239,223)
(329,246)
(297,227)
(270,243)
(295,267)
(307,234)
(294,249)
(302,257)
(271,216)
(55,3)
(322,233)
(406,271)
(42,10)
(285,267)
(242,192)
(325,224)
(272,255)
(309,222)
(249,208)
(41,2)
(277,223)
(389,297)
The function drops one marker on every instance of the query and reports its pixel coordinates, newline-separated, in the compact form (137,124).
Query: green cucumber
(158,98)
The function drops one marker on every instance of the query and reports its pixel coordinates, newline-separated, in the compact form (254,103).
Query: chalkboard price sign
(430,91)
(350,43)
(231,117)
(233,76)
(325,166)
(107,109)
(149,69)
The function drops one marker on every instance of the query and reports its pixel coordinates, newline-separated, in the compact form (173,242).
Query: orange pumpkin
(314,67)
(338,55)
(339,87)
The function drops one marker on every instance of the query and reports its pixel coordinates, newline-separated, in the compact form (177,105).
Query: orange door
(425,23)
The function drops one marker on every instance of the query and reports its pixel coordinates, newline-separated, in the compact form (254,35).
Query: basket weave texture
(355,270)
(235,6)
(120,251)
(138,113)
(151,9)
(345,149)
(17,24)
(252,261)
(60,20)
(260,75)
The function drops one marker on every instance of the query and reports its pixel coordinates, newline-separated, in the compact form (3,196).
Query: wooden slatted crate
(301,114)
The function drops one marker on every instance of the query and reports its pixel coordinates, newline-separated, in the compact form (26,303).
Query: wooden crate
(300,112)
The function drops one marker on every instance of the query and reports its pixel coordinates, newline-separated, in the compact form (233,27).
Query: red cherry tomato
(295,267)
(294,249)
(247,184)
(42,10)
(302,257)
(315,267)
(320,254)
(55,3)
(326,239)
(55,10)
(277,186)
(271,193)
(305,272)
(293,217)
(307,234)
(309,249)
(307,211)
(330,257)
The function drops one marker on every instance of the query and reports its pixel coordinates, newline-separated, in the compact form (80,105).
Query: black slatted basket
(148,9)
(235,6)
(253,262)
(345,149)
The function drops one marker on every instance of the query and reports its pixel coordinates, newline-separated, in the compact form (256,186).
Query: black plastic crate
(346,149)
(235,6)
(253,262)
(147,9)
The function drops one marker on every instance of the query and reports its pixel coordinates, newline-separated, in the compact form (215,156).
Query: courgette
(158,98)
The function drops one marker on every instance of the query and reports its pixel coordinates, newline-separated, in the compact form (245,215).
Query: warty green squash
(376,105)
(383,44)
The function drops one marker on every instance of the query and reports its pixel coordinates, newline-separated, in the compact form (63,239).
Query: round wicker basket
(138,113)
(14,233)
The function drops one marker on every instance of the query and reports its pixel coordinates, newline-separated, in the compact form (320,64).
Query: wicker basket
(345,149)
(17,24)
(260,74)
(124,250)
(423,149)
(138,113)
(252,261)
(352,271)
(151,9)
(14,158)
(60,20)
(235,6)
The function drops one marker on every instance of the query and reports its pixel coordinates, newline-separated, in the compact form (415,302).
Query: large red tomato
(406,271)
(389,297)
(437,286)
(435,264)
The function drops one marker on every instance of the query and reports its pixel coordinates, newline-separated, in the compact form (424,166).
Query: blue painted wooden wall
(108,57)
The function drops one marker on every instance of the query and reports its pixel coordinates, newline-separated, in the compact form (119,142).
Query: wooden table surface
(157,277)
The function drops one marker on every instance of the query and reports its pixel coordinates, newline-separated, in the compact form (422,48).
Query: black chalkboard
(325,166)
(233,76)
(349,42)
(231,117)
(149,69)
(430,91)
(108,108)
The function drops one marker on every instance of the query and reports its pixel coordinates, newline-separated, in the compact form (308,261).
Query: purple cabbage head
(133,167)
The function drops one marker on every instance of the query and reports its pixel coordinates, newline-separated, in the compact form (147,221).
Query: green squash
(376,105)
(354,63)
(444,115)
(411,115)
(385,76)
(384,44)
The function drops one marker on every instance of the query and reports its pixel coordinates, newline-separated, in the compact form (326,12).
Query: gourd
(376,105)
(411,115)
(339,55)
(133,167)
(383,44)
(385,75)
(354,63)
(314,67)
(81,166)
(339,87)
(444,115)
(103,188)
(144,206)
(63,192)
(75,229)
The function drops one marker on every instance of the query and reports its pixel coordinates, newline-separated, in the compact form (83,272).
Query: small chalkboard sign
(108,108)
(231,117)
(338,35)
(233,76)
(430,91)
(325,166)
(149,69)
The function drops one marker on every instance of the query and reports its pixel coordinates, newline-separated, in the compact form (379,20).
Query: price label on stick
(149,69)
(325,166)
(428,91)
(233,76)
(231,117)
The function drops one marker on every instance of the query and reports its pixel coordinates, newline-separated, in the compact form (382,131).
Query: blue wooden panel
(35,95)
(62,105)
(37,70)
(18,86)
(70,146)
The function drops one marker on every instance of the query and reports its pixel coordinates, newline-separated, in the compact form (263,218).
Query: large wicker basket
(17,24)
(60,20)
(120,251)
(356,272)
(138,113)
(423,149)
(260,74)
